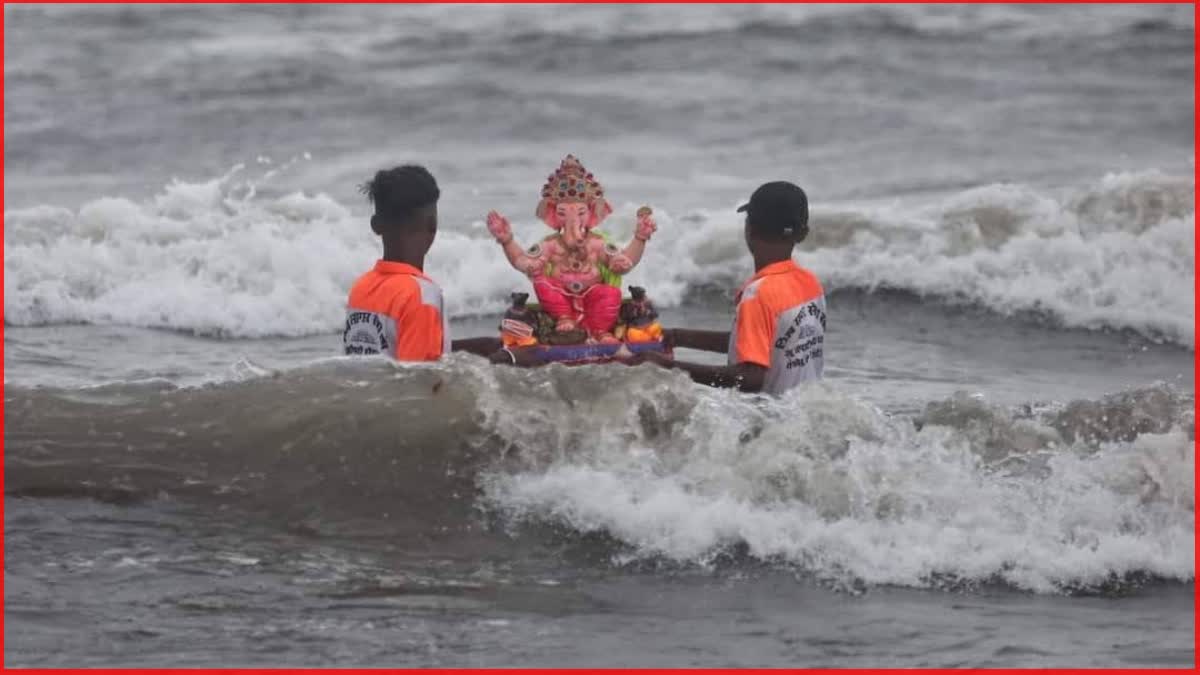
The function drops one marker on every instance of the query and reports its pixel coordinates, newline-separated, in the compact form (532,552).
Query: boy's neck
(396,251)
(766,258)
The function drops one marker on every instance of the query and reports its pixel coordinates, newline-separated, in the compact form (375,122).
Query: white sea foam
(1044,498)
(216,258)
(825,482)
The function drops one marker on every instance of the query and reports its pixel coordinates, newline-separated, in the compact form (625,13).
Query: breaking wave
(217,258)
(1045,497)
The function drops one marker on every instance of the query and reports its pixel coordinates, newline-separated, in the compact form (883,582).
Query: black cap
(778,207)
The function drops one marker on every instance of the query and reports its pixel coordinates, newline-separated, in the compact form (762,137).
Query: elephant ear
(545,213)
(601,210)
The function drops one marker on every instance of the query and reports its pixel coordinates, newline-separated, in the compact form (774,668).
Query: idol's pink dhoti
(595,309)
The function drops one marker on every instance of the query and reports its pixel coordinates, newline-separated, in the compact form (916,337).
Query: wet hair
(398,193)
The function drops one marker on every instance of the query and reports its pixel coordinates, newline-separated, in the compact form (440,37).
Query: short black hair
(398,192)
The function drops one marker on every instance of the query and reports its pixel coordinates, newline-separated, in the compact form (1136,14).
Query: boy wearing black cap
(778,333)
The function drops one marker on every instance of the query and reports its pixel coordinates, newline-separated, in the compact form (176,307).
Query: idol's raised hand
(499,227)
(645,224)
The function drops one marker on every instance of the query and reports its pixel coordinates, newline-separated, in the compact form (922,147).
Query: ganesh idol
(575,271)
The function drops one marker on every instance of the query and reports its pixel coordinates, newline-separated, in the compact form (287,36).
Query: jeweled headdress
(573,183)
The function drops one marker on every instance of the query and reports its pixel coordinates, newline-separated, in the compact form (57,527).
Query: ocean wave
(962,495)
(1044,497)
(814,22)
(219,258)
(1117,255)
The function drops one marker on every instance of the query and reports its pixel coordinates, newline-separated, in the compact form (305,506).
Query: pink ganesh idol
(575,272)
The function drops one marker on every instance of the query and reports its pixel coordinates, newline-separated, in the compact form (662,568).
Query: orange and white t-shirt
(780,325)
(395,309)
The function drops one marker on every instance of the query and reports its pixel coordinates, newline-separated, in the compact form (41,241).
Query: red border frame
(598,2)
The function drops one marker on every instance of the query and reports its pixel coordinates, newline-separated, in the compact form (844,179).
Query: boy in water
(778,333)
(394,308)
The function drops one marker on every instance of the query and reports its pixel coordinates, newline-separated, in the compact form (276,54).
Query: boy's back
(780,325)
(395,309)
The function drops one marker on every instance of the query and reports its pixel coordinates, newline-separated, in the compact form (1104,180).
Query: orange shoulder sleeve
(755,332)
